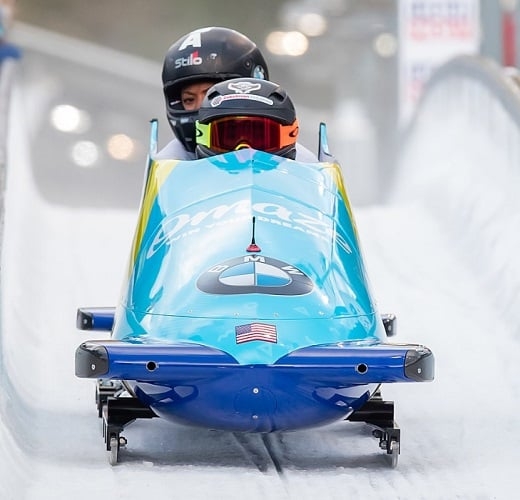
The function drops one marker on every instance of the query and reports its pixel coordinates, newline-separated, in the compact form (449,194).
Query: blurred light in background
(287,43)
(121,147)
(85,153)
(67,118)
(385,45)
(312,24)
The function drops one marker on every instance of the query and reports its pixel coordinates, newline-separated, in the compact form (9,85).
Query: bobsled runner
(246,306)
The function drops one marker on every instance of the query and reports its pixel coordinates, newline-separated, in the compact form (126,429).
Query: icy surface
(459,433)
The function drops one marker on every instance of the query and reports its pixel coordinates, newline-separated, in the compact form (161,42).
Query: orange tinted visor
(257,132)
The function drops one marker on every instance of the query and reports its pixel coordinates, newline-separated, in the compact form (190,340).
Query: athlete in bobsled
(247,113)
(194,63)
(247,306)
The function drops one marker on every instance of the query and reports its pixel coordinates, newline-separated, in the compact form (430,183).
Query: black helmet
(247,112)
(205,54)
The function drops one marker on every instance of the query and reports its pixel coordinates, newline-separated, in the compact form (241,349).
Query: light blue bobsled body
(247,306)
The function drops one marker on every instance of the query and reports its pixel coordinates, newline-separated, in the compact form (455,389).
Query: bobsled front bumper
(346,363)
(202,386)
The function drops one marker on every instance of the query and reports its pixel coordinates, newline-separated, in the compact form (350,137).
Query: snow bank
(461,160)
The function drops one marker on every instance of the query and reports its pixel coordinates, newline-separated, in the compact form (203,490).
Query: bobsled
(246,306)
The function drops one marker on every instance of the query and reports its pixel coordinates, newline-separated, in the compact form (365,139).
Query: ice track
(459,436)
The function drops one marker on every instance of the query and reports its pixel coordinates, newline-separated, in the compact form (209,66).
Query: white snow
(459,433)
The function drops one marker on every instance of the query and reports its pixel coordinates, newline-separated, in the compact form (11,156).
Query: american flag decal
(256,331)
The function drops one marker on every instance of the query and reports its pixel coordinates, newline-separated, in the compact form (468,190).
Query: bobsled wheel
(394,449)
(113,453)
(106,389)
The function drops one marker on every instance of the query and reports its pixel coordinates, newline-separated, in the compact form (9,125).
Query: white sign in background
(430,33)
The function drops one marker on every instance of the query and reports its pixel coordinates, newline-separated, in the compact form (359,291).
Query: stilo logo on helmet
(192,60)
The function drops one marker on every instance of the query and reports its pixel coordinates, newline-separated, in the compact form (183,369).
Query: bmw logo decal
(254,274)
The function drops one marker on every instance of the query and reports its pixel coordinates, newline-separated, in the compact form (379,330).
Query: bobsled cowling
(247,305)
(192,279)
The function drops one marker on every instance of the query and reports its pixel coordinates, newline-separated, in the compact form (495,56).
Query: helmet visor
(235,132)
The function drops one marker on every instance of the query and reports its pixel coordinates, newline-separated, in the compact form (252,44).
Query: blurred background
(440,138)
(349,63)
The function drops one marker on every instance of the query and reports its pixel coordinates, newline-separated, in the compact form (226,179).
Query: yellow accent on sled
(158,173)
